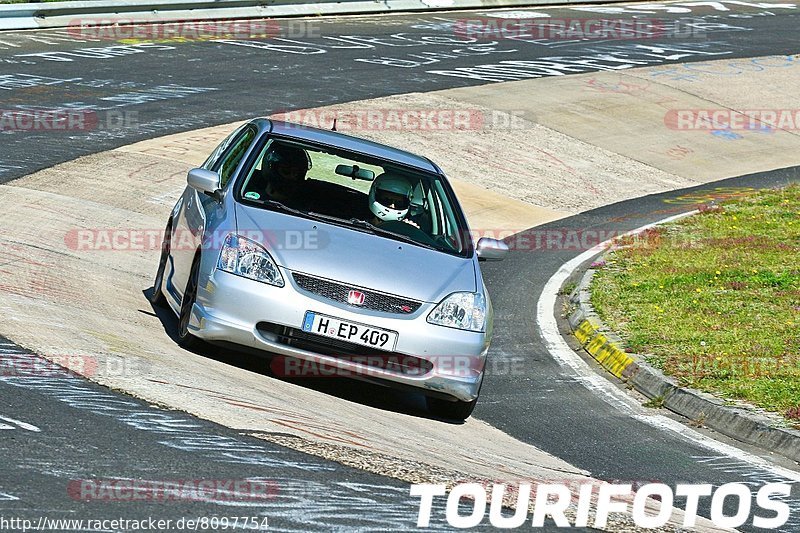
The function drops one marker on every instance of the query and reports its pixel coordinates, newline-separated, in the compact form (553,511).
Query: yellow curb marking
(605,352)
(584,332)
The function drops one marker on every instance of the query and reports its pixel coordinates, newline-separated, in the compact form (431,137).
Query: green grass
(714,299)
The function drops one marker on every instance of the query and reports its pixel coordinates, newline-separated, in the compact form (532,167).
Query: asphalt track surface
(169,87)
(67,438)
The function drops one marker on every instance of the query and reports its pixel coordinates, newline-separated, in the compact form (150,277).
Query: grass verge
(714,299)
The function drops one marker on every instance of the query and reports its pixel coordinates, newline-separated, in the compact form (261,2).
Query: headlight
(248,259)
(462,310)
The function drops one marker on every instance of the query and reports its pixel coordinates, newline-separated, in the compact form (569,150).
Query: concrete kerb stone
(741,422)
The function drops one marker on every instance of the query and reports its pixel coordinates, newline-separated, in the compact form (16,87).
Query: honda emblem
(355,298)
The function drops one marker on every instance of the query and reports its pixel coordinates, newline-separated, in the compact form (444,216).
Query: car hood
(355,257)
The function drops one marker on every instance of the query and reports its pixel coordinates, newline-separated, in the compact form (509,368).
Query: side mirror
(491,249)
(204,181)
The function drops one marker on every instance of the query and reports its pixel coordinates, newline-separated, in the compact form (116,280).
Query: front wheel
(454,410)
(185,337)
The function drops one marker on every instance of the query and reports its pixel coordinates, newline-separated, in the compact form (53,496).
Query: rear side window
(233,155)
(213,159)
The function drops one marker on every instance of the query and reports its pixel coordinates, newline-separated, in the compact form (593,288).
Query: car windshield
(349,189)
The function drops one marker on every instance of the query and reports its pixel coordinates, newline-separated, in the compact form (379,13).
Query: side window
(233,156)
(213,159)
(449,228)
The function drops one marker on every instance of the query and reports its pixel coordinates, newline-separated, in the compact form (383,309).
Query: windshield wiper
(390,234)
(357,223)
(329,218)
(279,206)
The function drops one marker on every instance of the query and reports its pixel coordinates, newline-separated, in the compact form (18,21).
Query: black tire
(157,297)
(185,337)
(451,410)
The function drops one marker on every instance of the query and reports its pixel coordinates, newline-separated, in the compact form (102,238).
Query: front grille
(373,300)
(354,353)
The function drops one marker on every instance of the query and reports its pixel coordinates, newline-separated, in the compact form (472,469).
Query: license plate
(336,328)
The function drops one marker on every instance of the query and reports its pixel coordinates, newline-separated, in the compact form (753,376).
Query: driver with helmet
(390,199)
(285,169)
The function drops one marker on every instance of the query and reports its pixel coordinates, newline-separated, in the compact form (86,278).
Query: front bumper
(231,309)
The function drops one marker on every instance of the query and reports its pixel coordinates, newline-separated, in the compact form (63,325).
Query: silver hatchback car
(337,255)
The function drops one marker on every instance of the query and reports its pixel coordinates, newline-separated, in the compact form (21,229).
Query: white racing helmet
(390,197)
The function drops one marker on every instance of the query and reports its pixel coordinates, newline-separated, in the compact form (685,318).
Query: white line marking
(22,425)
(566,357)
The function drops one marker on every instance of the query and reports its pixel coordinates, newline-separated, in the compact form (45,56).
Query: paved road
(71,448)
(151,89)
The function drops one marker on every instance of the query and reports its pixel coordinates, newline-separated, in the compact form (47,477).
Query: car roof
(348,142)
